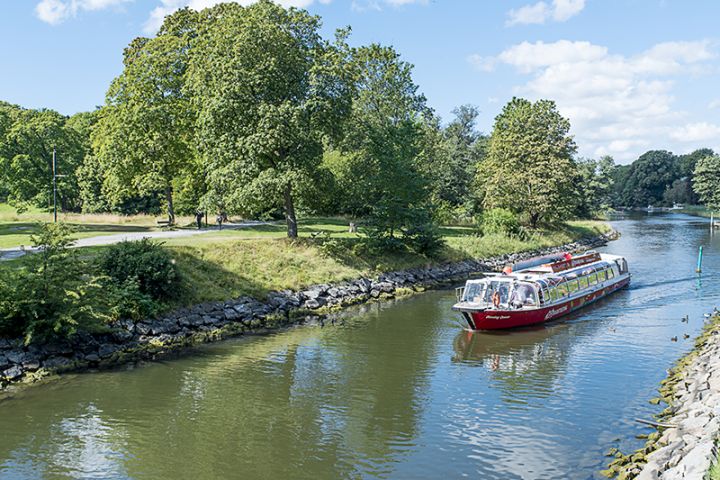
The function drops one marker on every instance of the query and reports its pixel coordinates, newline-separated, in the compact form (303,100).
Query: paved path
(16,252)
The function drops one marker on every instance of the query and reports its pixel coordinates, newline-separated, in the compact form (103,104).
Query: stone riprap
(684,445)
(129,341)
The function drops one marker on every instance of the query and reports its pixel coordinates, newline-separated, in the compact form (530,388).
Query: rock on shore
(684,446)
(148,339)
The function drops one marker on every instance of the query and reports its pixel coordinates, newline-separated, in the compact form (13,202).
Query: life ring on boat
(496,299)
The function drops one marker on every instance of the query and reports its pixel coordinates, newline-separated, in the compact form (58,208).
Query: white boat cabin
(542,285)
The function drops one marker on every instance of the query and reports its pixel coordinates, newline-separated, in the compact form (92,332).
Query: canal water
(395,391)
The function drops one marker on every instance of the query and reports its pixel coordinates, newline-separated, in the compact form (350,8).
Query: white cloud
(697,132)
(564,10)
(377,5)
(167,7)
(57,11)
(486,64)
(541,12)
(617,104)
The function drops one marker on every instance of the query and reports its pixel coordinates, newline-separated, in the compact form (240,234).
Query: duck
(686,336)
(685,319)
(674,339)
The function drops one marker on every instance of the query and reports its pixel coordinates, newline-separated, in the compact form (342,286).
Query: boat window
(562,289)
(553,294)
(473,292)
(584,282)
(622,263)
(573,286)
(502,287)
(601,275)
(593,279)
(523,295)
(610,273)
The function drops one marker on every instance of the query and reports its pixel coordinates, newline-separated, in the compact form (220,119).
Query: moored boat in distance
(540,290)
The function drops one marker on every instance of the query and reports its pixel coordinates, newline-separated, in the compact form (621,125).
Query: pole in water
(699,264)
(712,223)
(54,173)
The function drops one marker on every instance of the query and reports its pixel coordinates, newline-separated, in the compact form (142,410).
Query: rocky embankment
(128,341)
(683,447)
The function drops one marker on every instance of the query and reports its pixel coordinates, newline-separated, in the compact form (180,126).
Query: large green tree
(529,167)
(27,140)
(648,177)
(268,89)
(143,138)
(594,185)
(706,181)
(390,135)
(453,169)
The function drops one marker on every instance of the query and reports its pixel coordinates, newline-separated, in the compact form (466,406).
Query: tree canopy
(529,167)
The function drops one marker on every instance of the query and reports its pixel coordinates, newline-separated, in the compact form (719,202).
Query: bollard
(699,264)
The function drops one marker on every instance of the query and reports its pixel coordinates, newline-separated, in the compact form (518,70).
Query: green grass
(255,260)
(697,210)
(261,260)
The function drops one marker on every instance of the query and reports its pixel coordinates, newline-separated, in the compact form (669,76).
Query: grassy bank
(255,260)
(259,260)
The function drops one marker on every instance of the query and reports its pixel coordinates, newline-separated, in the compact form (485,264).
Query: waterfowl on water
(673,339)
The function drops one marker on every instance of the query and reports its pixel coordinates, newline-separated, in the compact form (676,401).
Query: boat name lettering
(554,311)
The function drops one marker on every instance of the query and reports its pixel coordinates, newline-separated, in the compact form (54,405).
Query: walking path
(16,252)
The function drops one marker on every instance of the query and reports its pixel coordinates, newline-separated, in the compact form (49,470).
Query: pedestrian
(198,218)
(219,220)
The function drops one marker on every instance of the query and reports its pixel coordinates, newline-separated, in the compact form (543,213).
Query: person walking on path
(198,218)
(219,220)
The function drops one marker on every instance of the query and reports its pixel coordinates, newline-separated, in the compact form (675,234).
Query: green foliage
(594,186)
(459,149)
(500,221)
(143,135)
(143,262)
(648,178)
(52,295)
(423,238)
(127,301)
(706,182)
(267,88)
(529,168)
(27,138)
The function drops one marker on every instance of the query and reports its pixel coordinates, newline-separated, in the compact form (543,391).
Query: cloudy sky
(631,75)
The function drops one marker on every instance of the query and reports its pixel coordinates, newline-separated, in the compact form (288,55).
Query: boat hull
(503,319)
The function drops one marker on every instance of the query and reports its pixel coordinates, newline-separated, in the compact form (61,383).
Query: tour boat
(540,289)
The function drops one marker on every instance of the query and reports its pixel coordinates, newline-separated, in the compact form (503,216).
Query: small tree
(52,296)
(530,168)
(706,181)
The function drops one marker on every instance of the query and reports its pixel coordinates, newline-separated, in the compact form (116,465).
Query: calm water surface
(397,391)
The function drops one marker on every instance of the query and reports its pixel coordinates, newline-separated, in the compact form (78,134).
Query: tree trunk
(170,208)
(534,219)
(290,214)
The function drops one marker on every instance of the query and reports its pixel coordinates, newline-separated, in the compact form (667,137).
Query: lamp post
(55,177)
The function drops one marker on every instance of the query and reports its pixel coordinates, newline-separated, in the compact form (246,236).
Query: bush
(500,220)
(127,301)
(424,239)
(52,294)
(144,263)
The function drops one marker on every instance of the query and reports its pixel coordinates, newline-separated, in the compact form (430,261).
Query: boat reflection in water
(527,363)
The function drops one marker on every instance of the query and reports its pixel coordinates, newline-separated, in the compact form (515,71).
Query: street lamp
(55,177)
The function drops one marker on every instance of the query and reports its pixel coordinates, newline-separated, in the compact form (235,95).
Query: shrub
(51,295)
(424,239)
(500,220)
(127,301)
(143,262)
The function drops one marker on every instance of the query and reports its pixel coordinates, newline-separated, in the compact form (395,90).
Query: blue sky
(631,75)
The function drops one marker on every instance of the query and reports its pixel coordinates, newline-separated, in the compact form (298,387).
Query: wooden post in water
(699,264)
(712,223)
